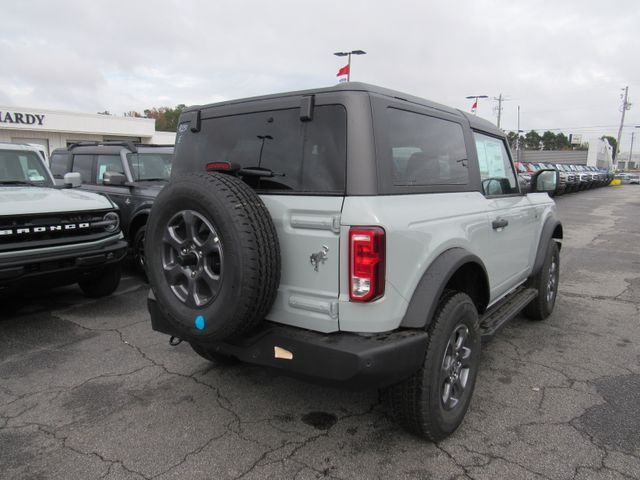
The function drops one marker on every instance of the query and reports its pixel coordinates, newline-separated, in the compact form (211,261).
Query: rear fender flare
(425,297)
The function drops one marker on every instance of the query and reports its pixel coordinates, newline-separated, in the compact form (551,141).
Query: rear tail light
(218,166)
(366,263)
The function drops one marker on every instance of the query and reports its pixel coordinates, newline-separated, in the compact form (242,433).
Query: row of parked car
(573,178)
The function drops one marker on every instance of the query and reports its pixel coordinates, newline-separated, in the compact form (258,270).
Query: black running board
(494,318)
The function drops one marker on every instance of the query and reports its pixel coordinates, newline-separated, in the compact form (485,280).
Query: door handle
(499,223)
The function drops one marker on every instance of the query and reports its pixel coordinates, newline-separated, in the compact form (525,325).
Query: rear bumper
(341,359)
(72,260)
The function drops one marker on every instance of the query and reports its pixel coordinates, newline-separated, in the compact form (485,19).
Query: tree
(514,139)
(562,142)
(106,112)
(166,117)
(613,142)
(532,140)
(549,140)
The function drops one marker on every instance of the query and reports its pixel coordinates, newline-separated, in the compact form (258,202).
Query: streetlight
(348,54)
(474,107)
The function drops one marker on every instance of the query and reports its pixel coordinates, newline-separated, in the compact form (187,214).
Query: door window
(108,163)
(496,170)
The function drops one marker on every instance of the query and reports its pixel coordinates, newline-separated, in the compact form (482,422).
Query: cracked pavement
(88,390)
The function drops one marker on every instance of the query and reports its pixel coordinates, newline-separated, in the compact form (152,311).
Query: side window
(59,165)
(426,150)
(496,171)
(83,164)
(108,163)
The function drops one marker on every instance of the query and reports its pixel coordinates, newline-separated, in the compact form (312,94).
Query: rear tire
(433,402)
(102,282)
(546,282)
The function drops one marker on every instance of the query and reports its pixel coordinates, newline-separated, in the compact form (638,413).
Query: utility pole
(626,105)
(500,99)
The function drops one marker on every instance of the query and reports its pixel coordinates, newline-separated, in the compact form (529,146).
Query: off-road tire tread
(259,244)
(537,308)
(102,285)
(404,399)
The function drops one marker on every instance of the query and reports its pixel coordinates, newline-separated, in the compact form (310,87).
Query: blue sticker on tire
(200,322)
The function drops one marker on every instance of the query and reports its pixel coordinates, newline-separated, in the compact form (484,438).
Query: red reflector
(217,166)
(366,263)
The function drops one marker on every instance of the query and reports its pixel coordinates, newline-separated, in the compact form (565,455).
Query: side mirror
(72,179)
(545,180)
(113,178)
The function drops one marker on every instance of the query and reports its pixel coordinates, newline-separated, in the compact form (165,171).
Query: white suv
(353,235)
(52,236)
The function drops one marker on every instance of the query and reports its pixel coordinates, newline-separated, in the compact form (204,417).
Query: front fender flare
(546,236)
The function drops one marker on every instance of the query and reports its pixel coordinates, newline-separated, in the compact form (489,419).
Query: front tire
(102,282)
(546,282)
(433,402)
(138,250)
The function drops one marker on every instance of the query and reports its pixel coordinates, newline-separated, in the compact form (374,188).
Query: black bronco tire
(433,402)
(213,256)
(213,356)
(546,282)
(101,283)
(139,257)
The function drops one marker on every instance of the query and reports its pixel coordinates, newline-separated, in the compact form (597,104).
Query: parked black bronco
(130,174)
(54,236)
(353,235)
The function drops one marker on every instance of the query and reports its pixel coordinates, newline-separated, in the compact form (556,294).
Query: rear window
(304,156)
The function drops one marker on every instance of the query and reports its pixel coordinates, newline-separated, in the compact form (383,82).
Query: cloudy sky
(563,62)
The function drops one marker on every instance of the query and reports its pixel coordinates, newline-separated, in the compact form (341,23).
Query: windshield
(21,167)
(150,166)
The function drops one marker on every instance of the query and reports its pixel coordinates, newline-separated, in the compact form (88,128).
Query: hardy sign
(21,118)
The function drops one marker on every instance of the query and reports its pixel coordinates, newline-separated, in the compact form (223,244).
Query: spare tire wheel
(213,257)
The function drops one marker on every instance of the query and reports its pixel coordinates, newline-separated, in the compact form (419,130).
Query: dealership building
(55,129)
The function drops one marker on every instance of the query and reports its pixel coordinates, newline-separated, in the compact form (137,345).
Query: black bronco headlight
(111,221)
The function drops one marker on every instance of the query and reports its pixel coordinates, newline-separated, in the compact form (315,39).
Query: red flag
(343,71)
(474,106)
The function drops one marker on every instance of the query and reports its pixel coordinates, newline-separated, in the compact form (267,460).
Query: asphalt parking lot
(87,390)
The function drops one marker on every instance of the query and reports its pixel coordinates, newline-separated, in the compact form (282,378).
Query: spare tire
(213,256)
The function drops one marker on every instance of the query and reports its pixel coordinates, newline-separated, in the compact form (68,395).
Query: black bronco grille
(33,231)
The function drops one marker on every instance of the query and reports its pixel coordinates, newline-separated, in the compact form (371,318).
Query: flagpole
(348,55)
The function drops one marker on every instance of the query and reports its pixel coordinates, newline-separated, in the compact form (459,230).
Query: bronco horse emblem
(320,257)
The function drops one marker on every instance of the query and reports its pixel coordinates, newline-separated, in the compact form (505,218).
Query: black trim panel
(343,359)
(430,287)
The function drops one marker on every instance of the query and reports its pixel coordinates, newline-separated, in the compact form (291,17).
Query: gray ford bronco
(54,236)
(352,235)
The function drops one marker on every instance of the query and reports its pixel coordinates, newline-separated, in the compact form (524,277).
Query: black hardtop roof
(475,122)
